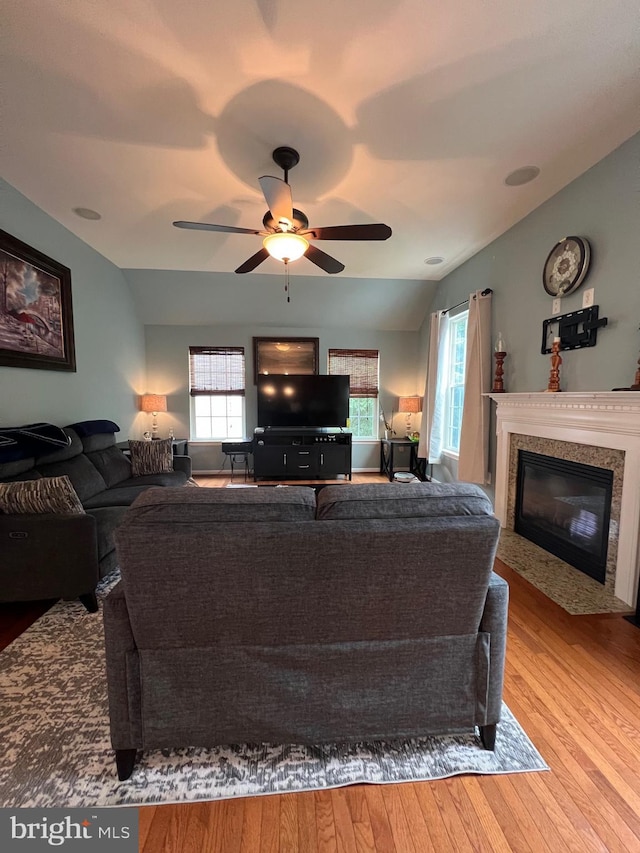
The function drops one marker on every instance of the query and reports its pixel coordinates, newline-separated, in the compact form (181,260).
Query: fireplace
(598,428)
(565,508)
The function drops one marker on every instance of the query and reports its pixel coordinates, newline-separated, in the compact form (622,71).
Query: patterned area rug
(56,751)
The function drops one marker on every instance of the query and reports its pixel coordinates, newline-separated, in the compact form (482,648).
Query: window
(217,382)
(361,365)
(456,355)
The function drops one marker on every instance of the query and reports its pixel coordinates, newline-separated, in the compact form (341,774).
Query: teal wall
(602,205)
(109,339)
(168,357)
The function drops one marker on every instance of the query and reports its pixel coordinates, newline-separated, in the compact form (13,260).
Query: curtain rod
(485,292)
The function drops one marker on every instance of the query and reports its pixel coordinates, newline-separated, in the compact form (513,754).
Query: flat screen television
(303,401)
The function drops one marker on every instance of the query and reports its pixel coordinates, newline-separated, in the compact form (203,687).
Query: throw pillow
(45,495)
(151,457)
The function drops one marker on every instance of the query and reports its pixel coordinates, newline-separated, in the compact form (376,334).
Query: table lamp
(153,403)
(410,406)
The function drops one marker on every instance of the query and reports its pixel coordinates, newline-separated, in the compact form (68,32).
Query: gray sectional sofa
(63,556)
(270,615)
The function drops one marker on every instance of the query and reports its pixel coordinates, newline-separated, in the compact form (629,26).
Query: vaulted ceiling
(410,113)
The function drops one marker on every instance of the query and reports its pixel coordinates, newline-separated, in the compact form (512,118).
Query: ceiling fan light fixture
(285,246)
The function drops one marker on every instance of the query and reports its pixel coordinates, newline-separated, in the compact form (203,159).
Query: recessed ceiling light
(87,213)
(434,261)
(522,176)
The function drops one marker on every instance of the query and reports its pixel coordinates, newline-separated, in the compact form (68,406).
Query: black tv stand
(302,454)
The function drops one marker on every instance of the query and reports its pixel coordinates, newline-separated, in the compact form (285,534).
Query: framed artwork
(285,355)
(36,318)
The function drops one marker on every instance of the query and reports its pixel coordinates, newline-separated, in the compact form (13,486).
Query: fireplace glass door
(565,507)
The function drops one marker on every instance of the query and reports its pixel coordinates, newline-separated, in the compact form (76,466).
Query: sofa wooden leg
(488,736)
(90,601)
(125,761)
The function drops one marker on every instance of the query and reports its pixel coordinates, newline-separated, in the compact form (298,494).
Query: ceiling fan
(286,230)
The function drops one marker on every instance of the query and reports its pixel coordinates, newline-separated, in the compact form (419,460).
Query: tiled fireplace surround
(598,428)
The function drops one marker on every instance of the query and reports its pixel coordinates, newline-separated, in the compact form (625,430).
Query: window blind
(361,365)
(216,370)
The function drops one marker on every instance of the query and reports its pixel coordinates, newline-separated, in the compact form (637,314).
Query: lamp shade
(283,245)
(153,403)
(410,405)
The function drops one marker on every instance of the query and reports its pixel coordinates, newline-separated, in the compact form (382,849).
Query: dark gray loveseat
(257,615)
(64,556)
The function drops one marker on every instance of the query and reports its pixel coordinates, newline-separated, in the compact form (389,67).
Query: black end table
(417,465)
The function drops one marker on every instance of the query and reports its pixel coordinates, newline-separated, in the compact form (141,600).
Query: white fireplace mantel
(596,418)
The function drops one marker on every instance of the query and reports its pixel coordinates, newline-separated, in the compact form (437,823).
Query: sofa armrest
(494,622)
(47,556)
(182,463)
(123,679)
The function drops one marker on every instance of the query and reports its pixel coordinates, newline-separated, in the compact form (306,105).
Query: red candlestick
(498,384)
(556,361)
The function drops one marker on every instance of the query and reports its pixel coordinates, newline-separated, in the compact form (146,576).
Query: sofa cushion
(168,478)
(394,500)
(46,495)
(151,457)
(17,469)
(85,477)
(99,441)
(294,503)
(125,493)
(111,462)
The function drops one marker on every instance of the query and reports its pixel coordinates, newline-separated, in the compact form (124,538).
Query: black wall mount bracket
(576,329)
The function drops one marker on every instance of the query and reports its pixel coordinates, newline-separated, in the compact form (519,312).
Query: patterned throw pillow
(46,495)
(151,457)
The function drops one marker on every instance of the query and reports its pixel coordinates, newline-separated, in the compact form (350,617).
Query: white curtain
(473,462)
(432,434)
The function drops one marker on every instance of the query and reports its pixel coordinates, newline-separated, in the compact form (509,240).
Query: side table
(388,446)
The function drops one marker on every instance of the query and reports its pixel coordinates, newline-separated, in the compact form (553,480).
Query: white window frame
(371,401)
(455,379)
(224,409)
(226,400)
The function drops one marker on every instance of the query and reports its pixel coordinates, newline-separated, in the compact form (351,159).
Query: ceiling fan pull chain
(287,286)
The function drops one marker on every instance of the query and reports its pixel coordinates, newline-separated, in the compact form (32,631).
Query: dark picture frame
(285,355)
(36,315)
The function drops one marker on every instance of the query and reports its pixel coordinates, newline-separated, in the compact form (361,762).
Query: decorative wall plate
(566,266)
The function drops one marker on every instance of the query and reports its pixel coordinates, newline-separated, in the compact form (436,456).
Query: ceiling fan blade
(253,261)
(322,260)
(277,194)
(378,231)
(206,226)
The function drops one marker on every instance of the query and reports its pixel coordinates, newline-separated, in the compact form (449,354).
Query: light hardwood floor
(573,682)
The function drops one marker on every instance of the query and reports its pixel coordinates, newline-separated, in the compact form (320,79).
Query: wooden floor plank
(269,826)
(251,825)
(515,818)
(288,824)
(427,828)
(398,822)
(307,830)
(495,830)
(379,820)
(360,819)
(325,823)
(345,834)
